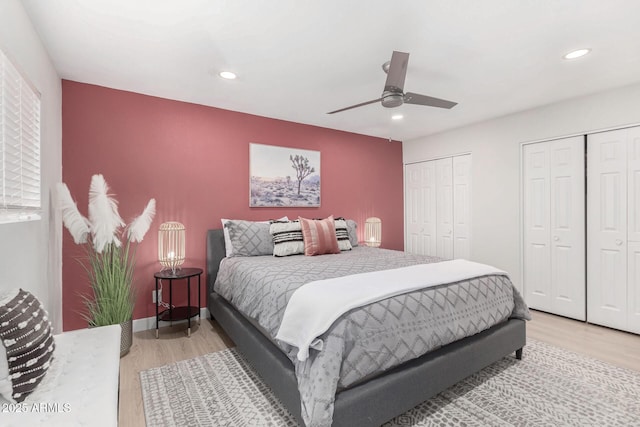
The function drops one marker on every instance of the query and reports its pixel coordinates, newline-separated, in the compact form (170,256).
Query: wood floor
(618,348)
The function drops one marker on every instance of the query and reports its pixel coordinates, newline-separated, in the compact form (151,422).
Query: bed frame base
(380,399)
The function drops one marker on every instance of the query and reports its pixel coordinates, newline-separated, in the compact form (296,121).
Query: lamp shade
(171,245)
(373,232)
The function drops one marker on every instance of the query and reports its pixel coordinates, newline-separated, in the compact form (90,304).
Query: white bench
(80,387)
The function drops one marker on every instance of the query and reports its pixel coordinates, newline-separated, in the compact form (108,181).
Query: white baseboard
(147,323)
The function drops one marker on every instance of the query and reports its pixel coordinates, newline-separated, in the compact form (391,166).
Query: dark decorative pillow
(319,236)
(249,238)
(352,229)
(25,331)
(342,234)
(287,238)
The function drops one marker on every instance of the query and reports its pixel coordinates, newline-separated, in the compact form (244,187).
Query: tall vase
(126,337)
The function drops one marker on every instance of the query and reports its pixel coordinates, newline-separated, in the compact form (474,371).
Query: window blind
(19,146)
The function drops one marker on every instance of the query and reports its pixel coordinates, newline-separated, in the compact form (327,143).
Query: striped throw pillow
(342,234)
(25,333)
(319,236)
(287,238)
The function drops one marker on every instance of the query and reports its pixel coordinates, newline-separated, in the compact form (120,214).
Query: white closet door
(420,208)
(607,228)
(444,208)
(462,206)
(633,290)
(633,232)
(537,232)
(567,222)
(412,208)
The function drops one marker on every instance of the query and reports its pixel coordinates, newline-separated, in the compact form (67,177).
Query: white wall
(31,252)
(495,145)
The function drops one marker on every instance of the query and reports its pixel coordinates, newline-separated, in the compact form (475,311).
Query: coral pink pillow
(319,236)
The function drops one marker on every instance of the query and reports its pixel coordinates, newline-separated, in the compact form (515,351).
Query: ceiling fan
(393,94)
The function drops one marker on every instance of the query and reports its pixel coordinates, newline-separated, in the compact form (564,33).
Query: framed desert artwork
(283,176)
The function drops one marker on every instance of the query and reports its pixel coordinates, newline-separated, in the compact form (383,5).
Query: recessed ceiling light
(397,117)
(227,75)
(576,53)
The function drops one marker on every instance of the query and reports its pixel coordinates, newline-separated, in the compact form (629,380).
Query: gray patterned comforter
(370,339)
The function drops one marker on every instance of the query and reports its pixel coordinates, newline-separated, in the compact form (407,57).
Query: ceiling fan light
(391,100)
(577,53)
(227,75)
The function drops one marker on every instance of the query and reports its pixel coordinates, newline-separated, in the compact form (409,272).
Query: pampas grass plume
(77,224)
(140,225)
(103,214)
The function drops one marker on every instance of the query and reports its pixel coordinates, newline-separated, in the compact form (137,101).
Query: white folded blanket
(314,306)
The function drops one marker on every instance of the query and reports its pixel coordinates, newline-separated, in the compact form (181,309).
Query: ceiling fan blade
(417,99)
(356,106)
(397,72)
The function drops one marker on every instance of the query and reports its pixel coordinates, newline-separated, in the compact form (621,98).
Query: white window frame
(20,164)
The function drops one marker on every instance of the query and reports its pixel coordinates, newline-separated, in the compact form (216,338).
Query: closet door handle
(556,238)
(618,242)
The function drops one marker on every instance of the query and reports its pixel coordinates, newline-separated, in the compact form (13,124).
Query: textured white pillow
(227,239)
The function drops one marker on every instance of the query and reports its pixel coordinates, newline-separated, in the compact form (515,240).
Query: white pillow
(228,246)
(227,239)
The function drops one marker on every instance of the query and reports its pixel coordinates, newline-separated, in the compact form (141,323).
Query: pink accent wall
(194,160)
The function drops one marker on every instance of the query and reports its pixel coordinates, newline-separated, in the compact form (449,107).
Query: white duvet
(314,306)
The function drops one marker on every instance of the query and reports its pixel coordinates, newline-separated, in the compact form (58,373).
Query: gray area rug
(549,387)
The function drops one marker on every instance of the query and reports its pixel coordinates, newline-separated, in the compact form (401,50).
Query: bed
(375,397)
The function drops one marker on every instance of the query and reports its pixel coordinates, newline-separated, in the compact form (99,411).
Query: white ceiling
(298,59)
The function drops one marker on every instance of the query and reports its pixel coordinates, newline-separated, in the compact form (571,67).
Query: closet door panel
(412,201)
(633,288)
(444,208)
(607,229)
(567,225)
(536,235)
(633,183)
(462,206)
(633,221)
(420,208)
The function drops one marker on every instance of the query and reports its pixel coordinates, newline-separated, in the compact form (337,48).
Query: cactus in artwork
(302,168)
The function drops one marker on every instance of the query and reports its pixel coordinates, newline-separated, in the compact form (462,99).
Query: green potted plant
(110,248)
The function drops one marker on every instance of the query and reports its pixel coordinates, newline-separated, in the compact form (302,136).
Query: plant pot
(126,337)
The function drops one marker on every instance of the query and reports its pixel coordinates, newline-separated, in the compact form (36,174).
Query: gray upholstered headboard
(215,253)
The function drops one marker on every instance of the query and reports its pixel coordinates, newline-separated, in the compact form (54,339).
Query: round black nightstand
(178,313)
